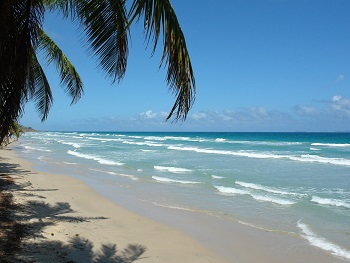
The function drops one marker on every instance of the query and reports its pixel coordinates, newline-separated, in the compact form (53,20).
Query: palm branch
(70,78)
(106,25)
(160,19)
(20,21)
(21,76)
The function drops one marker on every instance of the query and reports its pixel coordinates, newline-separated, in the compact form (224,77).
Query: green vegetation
(15,130)
(106,26)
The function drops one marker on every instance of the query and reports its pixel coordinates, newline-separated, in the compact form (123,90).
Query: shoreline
(70,221)
(165,239)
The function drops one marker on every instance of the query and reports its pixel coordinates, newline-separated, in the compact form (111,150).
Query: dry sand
(69,222)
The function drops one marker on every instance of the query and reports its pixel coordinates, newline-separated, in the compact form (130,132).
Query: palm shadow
(29,220)
(80,249)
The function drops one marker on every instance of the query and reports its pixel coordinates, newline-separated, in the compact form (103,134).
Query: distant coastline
(28,129)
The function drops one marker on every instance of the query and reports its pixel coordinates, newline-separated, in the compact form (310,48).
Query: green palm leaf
(160,19)
(20,21)
(69,76)
(105,23)
(38,88)
(106,27)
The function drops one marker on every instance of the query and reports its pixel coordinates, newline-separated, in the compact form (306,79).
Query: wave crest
(322,243)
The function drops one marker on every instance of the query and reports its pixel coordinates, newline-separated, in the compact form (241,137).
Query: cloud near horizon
(330,115)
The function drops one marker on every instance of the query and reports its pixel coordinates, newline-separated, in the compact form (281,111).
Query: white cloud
(198,116)
(340,77)
(153,115)
(148,114)
(330,115)
(305,110)
(341,105)
(259,112)
(244,119)
(336,98)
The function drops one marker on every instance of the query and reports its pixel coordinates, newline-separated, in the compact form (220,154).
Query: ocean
(296,184)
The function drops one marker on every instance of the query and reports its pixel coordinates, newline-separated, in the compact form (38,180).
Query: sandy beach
(69,222)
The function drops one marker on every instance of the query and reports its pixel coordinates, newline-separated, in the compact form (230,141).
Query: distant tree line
(14,132)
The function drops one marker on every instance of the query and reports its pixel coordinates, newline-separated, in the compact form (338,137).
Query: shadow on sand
(22,226)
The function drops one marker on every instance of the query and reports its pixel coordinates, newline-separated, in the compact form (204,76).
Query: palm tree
(106,25)
(14,132)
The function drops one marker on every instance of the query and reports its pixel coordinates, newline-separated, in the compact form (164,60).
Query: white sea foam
(220,140)
(234,191)
(267,155)
(250,154)
(231,190)
(267,189)
(174,138)
(322,243)
(75,145)
(116,174)
(119,135)
(172,169)
(31,148)
(41,158)
(177,138)
(154,138)
(266,143)
(104,139)
(129,176)
(134,137)
(143,150)
(314,149)
(330,202)
(93,157)
(147,143)
(272,199)
(331,144)
(168,180)
(216,177)
(319,159)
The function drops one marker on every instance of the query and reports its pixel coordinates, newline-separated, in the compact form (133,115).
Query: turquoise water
(293,183)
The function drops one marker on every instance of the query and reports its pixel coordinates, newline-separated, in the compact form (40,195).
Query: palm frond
(160,19)
(105,24)
(39,88)
(19,23)
(69,76)
(66,7)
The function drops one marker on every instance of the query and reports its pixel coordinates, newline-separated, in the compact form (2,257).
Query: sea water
(293,183)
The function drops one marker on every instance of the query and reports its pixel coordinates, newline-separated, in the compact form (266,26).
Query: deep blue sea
(293,183)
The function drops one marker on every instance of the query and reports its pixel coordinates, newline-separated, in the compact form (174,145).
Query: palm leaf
(38,88)
(19,23)
(68,74)
(66,7)
(160,19)
(105,26)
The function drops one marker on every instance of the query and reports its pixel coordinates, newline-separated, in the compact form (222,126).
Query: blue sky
(260,65)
